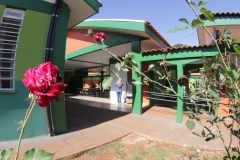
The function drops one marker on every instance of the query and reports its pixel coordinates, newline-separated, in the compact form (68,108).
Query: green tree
(180,45)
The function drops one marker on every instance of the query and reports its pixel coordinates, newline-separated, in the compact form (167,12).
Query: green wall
(59,115)
(30,53)
(36,5)
(74,80)
(34,31)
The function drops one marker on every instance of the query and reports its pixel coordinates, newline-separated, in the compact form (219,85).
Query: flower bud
(90,32)
(183,81)
(99,36)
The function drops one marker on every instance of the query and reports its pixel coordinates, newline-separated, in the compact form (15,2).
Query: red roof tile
(165,50)
(149,25)
(224,14)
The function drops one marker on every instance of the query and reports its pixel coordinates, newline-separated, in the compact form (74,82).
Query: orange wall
(224,106)
(77,40)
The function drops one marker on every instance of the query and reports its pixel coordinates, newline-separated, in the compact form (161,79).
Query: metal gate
(159,97)
(128,94)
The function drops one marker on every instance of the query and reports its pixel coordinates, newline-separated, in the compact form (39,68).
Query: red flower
(98,36)
(44,81)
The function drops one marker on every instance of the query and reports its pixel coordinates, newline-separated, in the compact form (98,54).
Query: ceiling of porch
(99,58)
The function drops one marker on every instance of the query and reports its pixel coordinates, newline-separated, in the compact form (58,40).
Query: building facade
(33,32)
(147,49)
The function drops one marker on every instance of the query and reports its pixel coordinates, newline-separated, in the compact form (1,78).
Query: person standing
(118,86)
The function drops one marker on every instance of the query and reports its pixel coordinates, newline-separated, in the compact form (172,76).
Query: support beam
(180,91)
(101,81)
(137,90)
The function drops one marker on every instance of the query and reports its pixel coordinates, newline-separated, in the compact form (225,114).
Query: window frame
(8,14)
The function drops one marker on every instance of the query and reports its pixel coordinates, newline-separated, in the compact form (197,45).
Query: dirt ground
(139,147)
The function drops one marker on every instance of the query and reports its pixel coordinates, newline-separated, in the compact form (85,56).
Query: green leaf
(137,73)
(6,154)
(124,69)
(206,60)
(122,63)
(201,3)
(192,3)
(178,28)
(129,55)
(235,75)
(107,82)
(207,68)
(234,40)
(145,80)
(37,154)
(203,133)
(133,64)
(109,71)
(237,48)
(197,22)
(222,77)
(208,14)
(118,66)
(28,99)
(190,125)
(208,139)
(232,66)
(150,67)
(197,134)
(136,82)
(229,74)
(226,33)
(184,20)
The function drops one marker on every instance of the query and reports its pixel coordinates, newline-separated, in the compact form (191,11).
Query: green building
(33,32)
(148,46)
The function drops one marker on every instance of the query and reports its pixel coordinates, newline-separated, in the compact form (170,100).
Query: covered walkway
(92,129)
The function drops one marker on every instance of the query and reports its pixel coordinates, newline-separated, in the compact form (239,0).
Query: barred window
(9,33)
(235,59)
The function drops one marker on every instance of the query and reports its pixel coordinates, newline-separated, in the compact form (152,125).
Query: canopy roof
(80,10)
(122,33)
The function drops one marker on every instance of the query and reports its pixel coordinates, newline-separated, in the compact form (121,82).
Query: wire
(184,37)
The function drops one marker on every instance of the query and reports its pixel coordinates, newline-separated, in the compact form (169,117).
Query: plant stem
(30,109)
(221,137)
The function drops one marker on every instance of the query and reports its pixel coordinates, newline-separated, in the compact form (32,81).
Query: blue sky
(163,15)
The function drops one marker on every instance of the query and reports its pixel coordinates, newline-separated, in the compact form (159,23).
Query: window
(9,33)
(235,59)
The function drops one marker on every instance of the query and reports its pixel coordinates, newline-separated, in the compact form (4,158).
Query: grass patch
(148,150)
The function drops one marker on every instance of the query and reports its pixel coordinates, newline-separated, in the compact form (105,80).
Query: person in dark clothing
(118,86)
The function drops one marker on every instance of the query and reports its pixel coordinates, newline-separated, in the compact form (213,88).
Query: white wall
(113,94)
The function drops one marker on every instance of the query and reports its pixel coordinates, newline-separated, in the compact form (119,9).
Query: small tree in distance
(179,45)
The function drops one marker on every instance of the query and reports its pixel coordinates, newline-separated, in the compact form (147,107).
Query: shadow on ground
(81,116)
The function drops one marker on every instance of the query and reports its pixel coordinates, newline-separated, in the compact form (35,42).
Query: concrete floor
(94,123)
